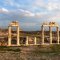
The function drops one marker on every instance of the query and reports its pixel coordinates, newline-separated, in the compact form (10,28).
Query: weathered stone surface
(29,53)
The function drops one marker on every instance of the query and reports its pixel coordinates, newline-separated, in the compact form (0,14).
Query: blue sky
(29,13)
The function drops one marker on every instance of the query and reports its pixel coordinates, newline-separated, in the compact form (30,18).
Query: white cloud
(40,14)
(27,13)
(53,6)
(3,10)
(49,4)
(39,3)
(19,12)
(30,14)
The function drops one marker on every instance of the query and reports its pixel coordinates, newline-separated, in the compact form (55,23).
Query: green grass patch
(47,50)
(4,48)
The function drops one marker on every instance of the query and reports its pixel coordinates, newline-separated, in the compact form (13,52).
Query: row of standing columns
(27,38)
(18,39)
(16,24)
(50,30)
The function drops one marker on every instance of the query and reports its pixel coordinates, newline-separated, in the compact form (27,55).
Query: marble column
(9,36)
(18,40)
(35,41)
(42,35)
(57,35)
(50,29)
(27,40)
